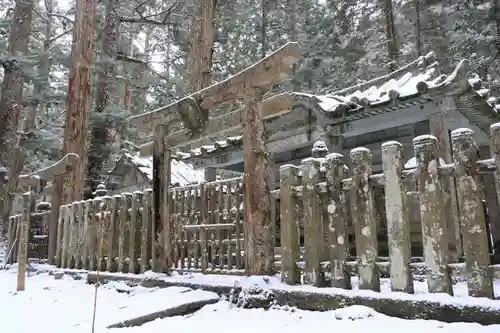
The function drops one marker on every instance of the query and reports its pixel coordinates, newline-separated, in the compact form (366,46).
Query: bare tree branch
(60,35)
(125,19)
(42,16)
(123,57)
(62,17)
(140,5)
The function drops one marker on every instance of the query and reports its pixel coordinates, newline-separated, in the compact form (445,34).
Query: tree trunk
(142,75)
(263,30)
(200,55)
(12,89)
(70,187)
(105,95)
(390,30)
(418,38)
(29,118)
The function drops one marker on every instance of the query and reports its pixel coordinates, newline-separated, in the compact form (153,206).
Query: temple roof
(181,173)
(416,83)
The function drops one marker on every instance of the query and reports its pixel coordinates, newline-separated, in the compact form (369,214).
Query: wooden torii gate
(193,110)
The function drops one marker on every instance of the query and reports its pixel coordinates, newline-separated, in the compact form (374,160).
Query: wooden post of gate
(256,223)
(22,254)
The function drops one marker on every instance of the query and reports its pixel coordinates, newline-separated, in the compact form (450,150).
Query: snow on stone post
(290,245)
(22,254)
(398,225)
(434,231)
(319,151)
(336,170)
(472,219)
(363,219)
(313,227)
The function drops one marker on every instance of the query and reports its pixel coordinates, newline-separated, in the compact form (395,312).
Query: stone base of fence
(324,300)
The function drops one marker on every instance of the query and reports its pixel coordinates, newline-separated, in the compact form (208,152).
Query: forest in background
(342,42)
(145,54)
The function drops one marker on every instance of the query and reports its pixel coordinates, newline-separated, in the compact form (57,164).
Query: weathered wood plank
(73,238)
(264,73)
(124,234)
(134,226)
(66,235)
(290,245)
(146,230)
(22,254)
(80,243)
(60,238)
(113,233)
(203,232)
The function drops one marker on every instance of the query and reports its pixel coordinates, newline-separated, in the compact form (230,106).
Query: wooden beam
(265,73)
(271,107)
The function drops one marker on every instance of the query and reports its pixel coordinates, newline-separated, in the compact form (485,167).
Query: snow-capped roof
(217,147)
(407,86)
(181,173)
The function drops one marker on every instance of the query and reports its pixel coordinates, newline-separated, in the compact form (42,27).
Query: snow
(181,172)
(412,163)
(66,305)
(403,86)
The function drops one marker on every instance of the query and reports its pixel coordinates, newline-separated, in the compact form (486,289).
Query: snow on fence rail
(206,221)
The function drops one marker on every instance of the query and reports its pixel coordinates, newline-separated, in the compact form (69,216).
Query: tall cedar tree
(10,102)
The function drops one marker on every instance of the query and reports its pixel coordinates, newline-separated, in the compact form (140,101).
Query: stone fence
(320,208)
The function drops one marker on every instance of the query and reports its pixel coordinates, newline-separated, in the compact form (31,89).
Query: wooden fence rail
(326,208)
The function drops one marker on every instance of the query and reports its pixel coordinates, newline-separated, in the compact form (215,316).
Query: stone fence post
(472,219)
(434,231)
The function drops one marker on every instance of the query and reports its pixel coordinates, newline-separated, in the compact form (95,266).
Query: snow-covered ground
(66,305)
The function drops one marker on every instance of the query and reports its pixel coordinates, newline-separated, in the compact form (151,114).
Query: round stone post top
(319,149)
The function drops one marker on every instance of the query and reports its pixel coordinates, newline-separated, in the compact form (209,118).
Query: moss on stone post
(313,227)
(398,225)
(495,154)
(336,170)
(364,220)
(472,219)
(290,246)
(434,231)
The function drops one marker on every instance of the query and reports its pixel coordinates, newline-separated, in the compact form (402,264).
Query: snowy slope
(66,306)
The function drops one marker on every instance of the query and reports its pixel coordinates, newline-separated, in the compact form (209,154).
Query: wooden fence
(38,236)
(320,203)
